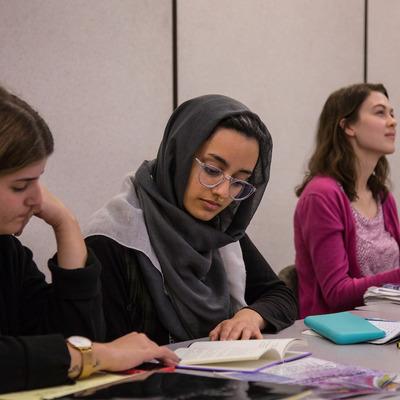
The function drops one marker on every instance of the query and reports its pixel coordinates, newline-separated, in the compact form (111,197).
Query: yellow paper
(96,381)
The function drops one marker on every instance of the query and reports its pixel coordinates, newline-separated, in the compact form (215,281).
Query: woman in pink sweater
(346,226)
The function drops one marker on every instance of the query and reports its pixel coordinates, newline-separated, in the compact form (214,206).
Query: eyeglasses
(211,177)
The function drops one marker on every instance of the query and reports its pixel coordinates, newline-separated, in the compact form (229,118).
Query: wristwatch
(85,347)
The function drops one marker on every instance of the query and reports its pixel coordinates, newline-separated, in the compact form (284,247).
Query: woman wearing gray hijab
(177,263)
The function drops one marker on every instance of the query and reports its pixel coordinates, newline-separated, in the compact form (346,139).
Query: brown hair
(333,155)
(24,136)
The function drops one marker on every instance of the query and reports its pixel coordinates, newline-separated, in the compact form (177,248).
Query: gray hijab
(187,248)
(194,269)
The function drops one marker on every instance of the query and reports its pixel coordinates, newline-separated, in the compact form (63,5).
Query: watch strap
(87,358)
(87,363)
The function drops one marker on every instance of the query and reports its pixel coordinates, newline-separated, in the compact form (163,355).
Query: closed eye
(238,183)
(212,171)
(20,185)
(18,189)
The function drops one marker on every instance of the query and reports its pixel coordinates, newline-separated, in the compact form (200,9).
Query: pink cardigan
(324,234)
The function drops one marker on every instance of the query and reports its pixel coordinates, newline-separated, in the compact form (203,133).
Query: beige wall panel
(384,61)
(99,71)
(282,58)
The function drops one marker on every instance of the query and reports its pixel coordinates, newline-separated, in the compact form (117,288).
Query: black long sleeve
(35,316)
(30,362)
(74,294)
(128,305)
(265,292)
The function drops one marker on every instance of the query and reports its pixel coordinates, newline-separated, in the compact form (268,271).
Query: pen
(380,319)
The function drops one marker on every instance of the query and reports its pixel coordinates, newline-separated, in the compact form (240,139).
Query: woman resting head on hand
(177,262)
(346,225)
(25,145)
(37,316)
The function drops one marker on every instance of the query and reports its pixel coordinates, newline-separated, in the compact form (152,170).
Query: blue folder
(344,327)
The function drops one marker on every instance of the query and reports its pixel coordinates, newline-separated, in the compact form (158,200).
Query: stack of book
(386,293)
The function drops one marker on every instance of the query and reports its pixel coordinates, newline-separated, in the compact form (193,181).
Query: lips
(25,216)
(210,205)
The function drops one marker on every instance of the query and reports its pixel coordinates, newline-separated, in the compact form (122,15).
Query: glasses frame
(224,177)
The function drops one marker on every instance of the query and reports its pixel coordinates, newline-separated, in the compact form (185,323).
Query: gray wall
(384,61)
(100,72)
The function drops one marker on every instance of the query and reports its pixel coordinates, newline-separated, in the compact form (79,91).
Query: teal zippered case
(343,327)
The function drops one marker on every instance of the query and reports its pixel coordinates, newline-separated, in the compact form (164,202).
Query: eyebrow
(384,106)
(226,164)
(29,178)
(26,179)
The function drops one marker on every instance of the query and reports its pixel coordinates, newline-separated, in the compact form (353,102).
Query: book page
(279,347)
(233,350)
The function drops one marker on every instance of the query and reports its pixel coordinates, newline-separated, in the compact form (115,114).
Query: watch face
(80,341)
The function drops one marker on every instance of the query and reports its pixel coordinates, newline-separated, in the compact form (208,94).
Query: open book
(238,355)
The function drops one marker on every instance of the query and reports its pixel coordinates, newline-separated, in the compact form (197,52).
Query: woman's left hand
(71,248)
(245,324)
(52,210)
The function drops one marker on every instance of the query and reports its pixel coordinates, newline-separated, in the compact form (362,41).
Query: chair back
(289,276)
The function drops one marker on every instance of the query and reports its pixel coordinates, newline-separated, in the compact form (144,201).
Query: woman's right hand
(131,350)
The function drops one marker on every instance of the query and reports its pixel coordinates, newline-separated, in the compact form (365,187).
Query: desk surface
(384,357)
(379,357)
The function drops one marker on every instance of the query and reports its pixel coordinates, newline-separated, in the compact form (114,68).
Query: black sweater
(128,305)
(35,316)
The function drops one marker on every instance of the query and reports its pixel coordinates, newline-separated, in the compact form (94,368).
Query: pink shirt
(377,251)
(330,279)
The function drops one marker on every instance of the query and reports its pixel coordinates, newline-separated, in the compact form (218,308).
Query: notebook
(391,329)
(344,328)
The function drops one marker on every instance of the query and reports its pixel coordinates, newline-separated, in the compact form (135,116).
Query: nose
(34,195)
(392,120)
(222,190)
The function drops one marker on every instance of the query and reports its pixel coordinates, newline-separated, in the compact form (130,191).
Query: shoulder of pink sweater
(323,186)
(390,209)
(390,201)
